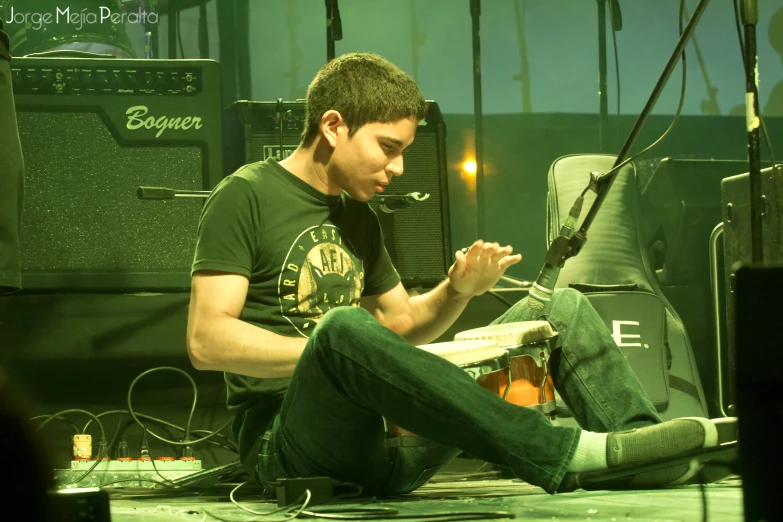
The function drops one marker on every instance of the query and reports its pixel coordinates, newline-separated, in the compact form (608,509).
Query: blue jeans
(354,371)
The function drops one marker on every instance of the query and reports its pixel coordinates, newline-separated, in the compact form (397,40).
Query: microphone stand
(569,242)
(478,115)
(151,43)
(603,124)
(203,32)
(750,18)
(334,28)
(158,193)
(388,204)
(603,91)
(172,28)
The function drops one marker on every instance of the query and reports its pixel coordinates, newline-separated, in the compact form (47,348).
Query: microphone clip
(393,203)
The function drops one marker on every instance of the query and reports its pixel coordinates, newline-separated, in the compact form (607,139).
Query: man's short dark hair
(363,88)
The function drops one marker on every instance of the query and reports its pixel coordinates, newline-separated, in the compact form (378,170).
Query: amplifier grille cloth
(414,236)
(81,211)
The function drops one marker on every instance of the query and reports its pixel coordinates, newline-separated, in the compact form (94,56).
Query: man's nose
(395,167)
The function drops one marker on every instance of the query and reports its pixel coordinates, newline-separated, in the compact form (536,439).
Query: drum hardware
(529,345)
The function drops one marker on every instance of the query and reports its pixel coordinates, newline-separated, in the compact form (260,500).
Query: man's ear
(331,121)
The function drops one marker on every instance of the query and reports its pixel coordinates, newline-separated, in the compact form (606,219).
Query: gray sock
(590,453)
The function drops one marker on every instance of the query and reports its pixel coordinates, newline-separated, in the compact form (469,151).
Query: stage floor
(724,503)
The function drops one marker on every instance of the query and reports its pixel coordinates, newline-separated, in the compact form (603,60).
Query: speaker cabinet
(92,131)
(759,380)
(682,201)
(735,194)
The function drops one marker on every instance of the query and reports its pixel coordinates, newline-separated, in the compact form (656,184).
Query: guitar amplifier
(418,238)
(735,196)
(92,131)
(683,199)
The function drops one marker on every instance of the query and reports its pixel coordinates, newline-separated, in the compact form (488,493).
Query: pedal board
(131,473)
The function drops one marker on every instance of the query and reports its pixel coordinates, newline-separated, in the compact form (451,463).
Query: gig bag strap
(587,288)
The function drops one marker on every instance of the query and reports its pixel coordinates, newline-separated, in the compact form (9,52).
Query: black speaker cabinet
(92,131)
(735,195)
(759,381)
(683,202)
(418,238)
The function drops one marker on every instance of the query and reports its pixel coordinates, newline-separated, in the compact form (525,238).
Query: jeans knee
(341,321)
(570,309)
(570,295)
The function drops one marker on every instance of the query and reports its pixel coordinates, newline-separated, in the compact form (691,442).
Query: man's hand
(480,268)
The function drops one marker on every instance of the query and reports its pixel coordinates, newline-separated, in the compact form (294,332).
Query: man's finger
(502,252)
(458,259)
(510,260)
(487,253)
(475,251)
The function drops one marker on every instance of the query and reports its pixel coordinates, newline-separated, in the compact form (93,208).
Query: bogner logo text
(138,119)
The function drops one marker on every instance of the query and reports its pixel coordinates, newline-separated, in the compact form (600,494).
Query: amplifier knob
(86,79)
(32,79)
(47,79)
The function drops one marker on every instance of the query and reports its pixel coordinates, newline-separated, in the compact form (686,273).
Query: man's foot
(637,447)
(667,439)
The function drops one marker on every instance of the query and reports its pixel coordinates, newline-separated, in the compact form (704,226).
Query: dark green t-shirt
(303,252)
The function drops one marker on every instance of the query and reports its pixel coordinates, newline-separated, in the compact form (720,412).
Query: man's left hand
(479,269)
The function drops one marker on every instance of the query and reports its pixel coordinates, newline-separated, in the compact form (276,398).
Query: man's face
(366,162)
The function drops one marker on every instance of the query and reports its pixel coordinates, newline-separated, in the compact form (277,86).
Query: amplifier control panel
(101,80)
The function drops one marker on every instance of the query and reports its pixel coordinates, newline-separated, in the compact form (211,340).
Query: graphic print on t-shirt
(318,274)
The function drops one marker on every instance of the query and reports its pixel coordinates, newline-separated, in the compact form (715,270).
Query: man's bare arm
(424,318)
(218,340)
(420,319)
